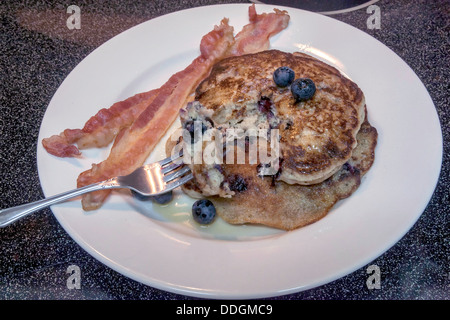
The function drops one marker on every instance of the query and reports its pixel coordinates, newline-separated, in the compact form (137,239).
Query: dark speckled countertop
(36,54)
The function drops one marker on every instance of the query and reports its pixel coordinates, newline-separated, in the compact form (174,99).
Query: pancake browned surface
(326,143)
(316,136)
(263,200)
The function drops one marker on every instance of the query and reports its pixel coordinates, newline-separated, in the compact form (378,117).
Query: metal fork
(149,180)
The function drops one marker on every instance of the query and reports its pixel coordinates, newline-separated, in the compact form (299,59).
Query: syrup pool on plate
(177,215)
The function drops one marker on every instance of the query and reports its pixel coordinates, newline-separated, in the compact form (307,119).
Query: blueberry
(203,211)
(163,198)
(192,125)
(283,76)
(265,105)
(303,89)
(237,183)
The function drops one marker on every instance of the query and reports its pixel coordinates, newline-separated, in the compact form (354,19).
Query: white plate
(161,247)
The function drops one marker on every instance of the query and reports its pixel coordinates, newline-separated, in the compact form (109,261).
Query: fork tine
(179,182)
(176,174)
(170,159)
(165,161)
(171,167)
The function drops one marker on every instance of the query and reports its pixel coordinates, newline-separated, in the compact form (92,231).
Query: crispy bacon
(255,36)
(101,129)
(134,143)
(59,145)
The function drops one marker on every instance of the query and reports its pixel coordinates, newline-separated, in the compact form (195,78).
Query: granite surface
(37,52)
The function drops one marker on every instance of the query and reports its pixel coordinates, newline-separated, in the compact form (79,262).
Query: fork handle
(10,215)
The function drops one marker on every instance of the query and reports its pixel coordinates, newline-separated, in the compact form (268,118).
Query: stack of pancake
(325,144)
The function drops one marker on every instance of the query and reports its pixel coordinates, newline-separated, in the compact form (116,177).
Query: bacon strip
(101,129)
(133,146)
(255,36)
(135,143)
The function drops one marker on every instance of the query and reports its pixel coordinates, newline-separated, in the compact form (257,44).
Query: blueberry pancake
(271,202)
(263,200)
(326,143)
(317,136)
